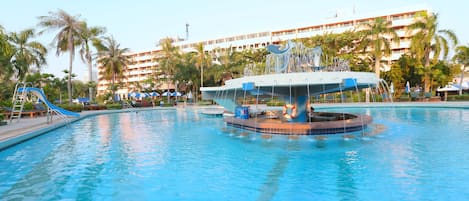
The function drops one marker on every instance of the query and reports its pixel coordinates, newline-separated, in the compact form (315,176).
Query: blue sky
(139,24)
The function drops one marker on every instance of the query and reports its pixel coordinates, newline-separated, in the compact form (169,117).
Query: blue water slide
(38,92)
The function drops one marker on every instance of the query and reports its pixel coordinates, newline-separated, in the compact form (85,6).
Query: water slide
(38,92)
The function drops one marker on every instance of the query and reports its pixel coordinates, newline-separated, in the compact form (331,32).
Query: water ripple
(167,155)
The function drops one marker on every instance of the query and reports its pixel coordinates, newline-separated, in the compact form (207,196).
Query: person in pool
(311,113)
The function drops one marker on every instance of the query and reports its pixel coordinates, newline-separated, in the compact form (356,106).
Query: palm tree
(427,40)
(255,58)
(26,52)
(377,36)
(202,60)
(335,45)
(114,59)
(89,35)
(168,59)
(6,53)
(68,37)
(462,57)
(231,63)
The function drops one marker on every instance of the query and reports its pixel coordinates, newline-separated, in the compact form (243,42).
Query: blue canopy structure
(83,100)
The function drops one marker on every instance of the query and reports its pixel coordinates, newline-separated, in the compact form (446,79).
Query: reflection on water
(346,176)
(179,155)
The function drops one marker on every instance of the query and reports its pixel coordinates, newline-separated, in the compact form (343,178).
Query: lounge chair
(40,109)
(7,112)
(431,98)
(415,96)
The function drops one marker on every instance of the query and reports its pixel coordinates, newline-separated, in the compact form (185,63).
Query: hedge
(114,106)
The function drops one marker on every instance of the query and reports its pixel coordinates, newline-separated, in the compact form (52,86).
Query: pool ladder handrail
(60,115)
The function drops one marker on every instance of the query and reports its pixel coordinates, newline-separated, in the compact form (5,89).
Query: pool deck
(26,128)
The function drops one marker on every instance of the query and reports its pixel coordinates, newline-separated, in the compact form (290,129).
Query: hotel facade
(144,65)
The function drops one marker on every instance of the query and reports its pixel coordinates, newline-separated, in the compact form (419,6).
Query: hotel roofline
(185,44)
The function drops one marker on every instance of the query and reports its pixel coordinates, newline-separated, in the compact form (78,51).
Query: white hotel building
(143,64)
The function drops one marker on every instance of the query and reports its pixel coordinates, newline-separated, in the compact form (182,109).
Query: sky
(139,24)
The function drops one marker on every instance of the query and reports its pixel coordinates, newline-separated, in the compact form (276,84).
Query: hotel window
(289,32)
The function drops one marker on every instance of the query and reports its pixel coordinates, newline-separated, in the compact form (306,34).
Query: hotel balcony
(140,72)
(137,79)
(402,22)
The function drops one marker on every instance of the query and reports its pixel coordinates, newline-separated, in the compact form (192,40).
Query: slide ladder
(18,100)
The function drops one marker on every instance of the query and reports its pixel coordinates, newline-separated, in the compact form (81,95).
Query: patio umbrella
(176,93)
(154,94)
(189,95)
(144,95)
(391,88)
(407,87)
(133,94)
(166,94)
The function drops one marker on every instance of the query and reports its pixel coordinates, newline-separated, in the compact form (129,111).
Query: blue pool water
(423,154)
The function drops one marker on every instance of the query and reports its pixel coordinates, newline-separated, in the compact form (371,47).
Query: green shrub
(95,107)
(403,99)
(204,102)
(167,105)
(6,103)
(72,107)
(114,106)
(464,97)
(2,117)
(28,106)
(275,103)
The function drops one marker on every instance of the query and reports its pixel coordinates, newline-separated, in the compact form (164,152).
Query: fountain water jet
(293,74)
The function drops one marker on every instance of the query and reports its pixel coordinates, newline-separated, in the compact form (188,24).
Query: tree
(55,88)
(334,45)
(186,70)
(26,52)
(6,53)
(442,73)
(462,57)
(255,58)
(69,76)
(39,79)
(231,64)
(114,59)
(377,37)
(168,58)
(427,40)
(202,59)
(67,38)
(89,35)
(80,88)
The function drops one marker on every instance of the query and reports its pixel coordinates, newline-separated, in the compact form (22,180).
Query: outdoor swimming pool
(180,155)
